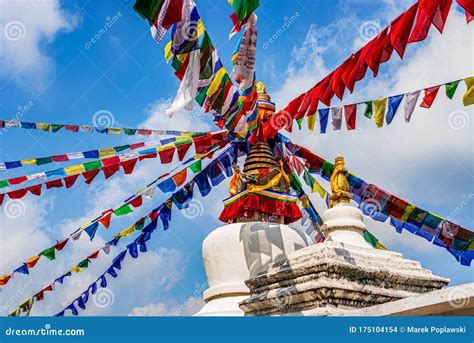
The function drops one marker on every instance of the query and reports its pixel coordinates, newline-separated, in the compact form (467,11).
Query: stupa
(342,274)
(257,234)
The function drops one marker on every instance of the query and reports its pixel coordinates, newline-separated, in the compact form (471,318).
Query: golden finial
(339,185)
(262,91)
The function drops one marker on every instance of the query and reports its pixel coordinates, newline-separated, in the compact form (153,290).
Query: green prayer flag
(123,210)
(84,263)
(368,109)
(129,131)
(92,165)
(299,121)
(201,96)
(295,181)
(140,224)
(308,178)
(49,253)
(327,169)
(243,8)
(122,147)
(43,160)
(148,9)
(56,127)
(451,88)
(196,166)
(4,183)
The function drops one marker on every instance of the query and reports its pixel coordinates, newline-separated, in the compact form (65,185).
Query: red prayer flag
(39,296)
(17,180)
(173,13)
(35,189)
(137,202)
(166,156)
(60,245)
(54,184)
(468,6)
(143,157)
(93,255)
(70,180)
(32,261)
(18,194)
(401,28)
(430,95)
(4,279)
(90,175)
(437,11)
(202,143)
(129,165)
(137,145)
(422,26)
(350,112)
(144,132)
(72,128)
(2,196)
(182,150)
(60,158)
(110,170)
(105,219)
(110,161)
(180,178)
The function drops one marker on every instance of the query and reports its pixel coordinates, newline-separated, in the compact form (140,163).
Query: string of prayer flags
(6,124)
(139,244)
(123,209)
(384,109)
(380,205)
(413,23)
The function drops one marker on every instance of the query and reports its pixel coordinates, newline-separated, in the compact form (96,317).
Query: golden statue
(340,187)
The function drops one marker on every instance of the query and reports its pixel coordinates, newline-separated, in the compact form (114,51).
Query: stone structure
(236,252)
(340,275)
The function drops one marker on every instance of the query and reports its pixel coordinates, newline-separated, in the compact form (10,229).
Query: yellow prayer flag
(406,213)
(380,246)
(379,111)
(106,152)
(76,270)
(126,232)
(168,53)
(200,28)
(311,121)
(114,130)
(30,161)
(216,82)
(42,126)
(468,97)
(319,189)
(76,169)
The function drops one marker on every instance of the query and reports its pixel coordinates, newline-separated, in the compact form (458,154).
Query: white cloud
(191,306)
(27,27)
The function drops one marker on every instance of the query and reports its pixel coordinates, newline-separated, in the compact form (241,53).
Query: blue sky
(64,77)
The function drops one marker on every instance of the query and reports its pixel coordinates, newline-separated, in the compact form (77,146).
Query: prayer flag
(350,112)
(336,113)
(410,104)
(429,96)
(49,253)
(368,109)
(323,119)
(393,104)
(379,111)
(451,88)
(468,97)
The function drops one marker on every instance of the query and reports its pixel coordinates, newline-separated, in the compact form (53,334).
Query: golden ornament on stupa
(340,187)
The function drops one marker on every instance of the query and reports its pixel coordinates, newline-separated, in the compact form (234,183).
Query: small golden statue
(339,185)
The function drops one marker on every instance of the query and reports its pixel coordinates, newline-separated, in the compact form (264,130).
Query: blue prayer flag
(393,104)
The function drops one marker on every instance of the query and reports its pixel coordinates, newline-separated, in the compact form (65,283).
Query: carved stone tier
(333,278)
